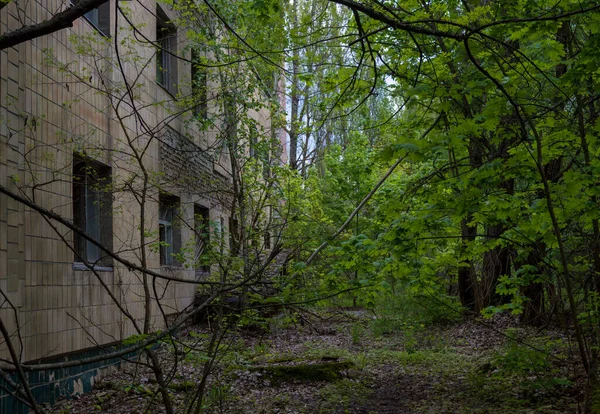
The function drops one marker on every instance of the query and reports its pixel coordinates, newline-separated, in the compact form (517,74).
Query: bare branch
(398,24)
(58,22)
(130,265)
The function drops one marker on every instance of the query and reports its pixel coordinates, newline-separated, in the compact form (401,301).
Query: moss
(596,400)
(328,371)
(182,386)
(281,359)
(342,395)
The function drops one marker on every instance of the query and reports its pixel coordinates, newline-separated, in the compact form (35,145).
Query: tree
(59,21)
(503,181)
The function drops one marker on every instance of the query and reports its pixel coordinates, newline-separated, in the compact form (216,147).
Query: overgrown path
(339,363)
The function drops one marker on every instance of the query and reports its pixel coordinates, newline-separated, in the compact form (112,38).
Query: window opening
(166,61)
(92,210)
(222,233)
(202,231)
(254,142)
(199,88)
(99,17)
(234,236)
(169,235)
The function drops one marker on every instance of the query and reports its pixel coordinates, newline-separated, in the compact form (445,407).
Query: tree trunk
(497,261)
(295,98)
(466,275)
(533,308)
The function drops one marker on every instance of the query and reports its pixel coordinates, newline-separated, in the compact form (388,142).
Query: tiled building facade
(90,132)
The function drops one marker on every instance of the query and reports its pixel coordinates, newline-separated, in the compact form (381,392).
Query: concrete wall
(63,93)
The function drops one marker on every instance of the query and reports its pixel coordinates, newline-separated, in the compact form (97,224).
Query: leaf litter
(472,366)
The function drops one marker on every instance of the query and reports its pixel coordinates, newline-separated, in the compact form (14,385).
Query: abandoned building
(94,134)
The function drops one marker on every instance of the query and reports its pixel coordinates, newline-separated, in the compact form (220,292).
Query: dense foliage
(442,154)
(493,108)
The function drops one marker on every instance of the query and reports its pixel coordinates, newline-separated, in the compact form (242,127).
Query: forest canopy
(492,109)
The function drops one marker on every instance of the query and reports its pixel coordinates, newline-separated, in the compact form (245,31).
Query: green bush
(532,365)
(404,312)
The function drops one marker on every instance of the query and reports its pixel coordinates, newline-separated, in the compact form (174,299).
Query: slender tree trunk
(466,274)
(594,386)
(533,308)
(295,98)
(566,275)
(497,261)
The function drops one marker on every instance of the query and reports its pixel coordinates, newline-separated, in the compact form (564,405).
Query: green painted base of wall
(48,386)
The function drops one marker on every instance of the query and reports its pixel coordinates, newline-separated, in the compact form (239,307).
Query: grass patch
(402,312)
(522,376)
(326,371)
(182,386)
(341,396)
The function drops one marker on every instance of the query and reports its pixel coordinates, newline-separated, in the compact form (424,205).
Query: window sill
(97,268)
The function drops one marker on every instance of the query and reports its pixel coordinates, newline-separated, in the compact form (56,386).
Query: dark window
(202,232)
(230,116)
(199,88)
(169,230)
(254,141)
(99,17)
(234,236)
(222,233)
(92,210)
(166,60)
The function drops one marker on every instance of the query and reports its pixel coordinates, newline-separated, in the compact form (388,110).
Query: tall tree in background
(505,180)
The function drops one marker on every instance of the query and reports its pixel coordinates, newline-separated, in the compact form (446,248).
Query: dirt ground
(349,362)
